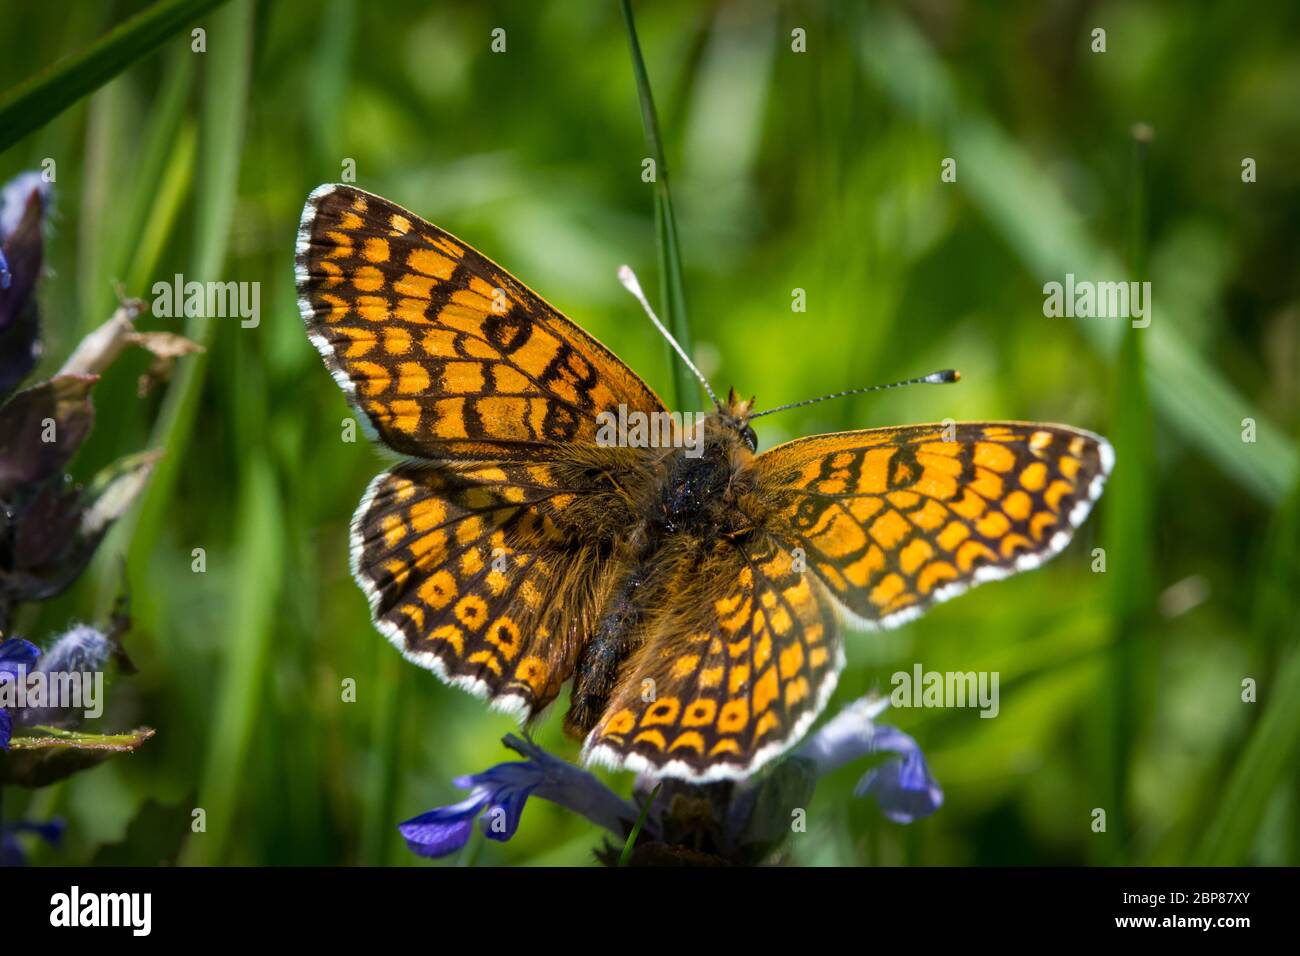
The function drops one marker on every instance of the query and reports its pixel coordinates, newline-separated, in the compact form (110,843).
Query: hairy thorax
(676,510)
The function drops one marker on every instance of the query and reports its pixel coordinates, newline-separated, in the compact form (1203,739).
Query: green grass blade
(330,75)
(118,211)
(1269,753)
(1271,750)
(221,133)
(626,855)
(167,128)
(672,290)
(170,190)
(245,643)
(35,102)
(378,833)
(1128,541)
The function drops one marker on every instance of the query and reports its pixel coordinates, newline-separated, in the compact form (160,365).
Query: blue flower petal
(504,789)
(16,655)
(436,839)
(16,652)
(12,852)
(443,830)
(902,785)
(51,831)
(501,819)
(516,774)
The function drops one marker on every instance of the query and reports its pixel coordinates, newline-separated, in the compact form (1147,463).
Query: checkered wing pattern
(719,688)
(446,354)
(476,572)
(894,520)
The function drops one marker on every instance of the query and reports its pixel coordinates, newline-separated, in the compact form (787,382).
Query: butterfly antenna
(629,280)
(941,377)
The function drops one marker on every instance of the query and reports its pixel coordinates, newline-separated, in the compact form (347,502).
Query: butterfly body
(674,511)
(691,595)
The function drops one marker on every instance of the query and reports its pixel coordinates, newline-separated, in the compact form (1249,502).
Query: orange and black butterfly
(692,599)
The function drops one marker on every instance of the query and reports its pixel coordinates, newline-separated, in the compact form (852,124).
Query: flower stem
(626,855)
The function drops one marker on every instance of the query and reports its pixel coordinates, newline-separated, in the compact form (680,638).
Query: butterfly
(693,600)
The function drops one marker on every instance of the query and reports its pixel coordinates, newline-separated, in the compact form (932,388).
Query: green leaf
(48,755)
(32,104)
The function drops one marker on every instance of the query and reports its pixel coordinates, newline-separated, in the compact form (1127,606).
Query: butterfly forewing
(447,355)
(894,520)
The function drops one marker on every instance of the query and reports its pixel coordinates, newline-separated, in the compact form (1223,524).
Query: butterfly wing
(446,354)
(730,676)
(894,520)
(472,561)
(483,574)
(880,523)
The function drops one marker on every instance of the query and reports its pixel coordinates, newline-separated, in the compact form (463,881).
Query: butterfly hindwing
(732,675)
(446,354)
(894,520)
(476,572)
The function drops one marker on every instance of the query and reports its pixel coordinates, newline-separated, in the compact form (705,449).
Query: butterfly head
(735,414)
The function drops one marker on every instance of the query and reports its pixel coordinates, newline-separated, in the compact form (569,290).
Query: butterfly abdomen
(610,644)
(687,507)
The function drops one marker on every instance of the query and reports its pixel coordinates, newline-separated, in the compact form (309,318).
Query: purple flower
(14,197)
(24,201)
(689,825)
(81,650)
(16,658)
(28,457)
(902,786)
(52,525)
(502,791)
(499,794)
(11,851)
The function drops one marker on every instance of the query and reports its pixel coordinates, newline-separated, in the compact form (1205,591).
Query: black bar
(503,907)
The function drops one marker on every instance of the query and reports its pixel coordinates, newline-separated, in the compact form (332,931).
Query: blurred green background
(817,170)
